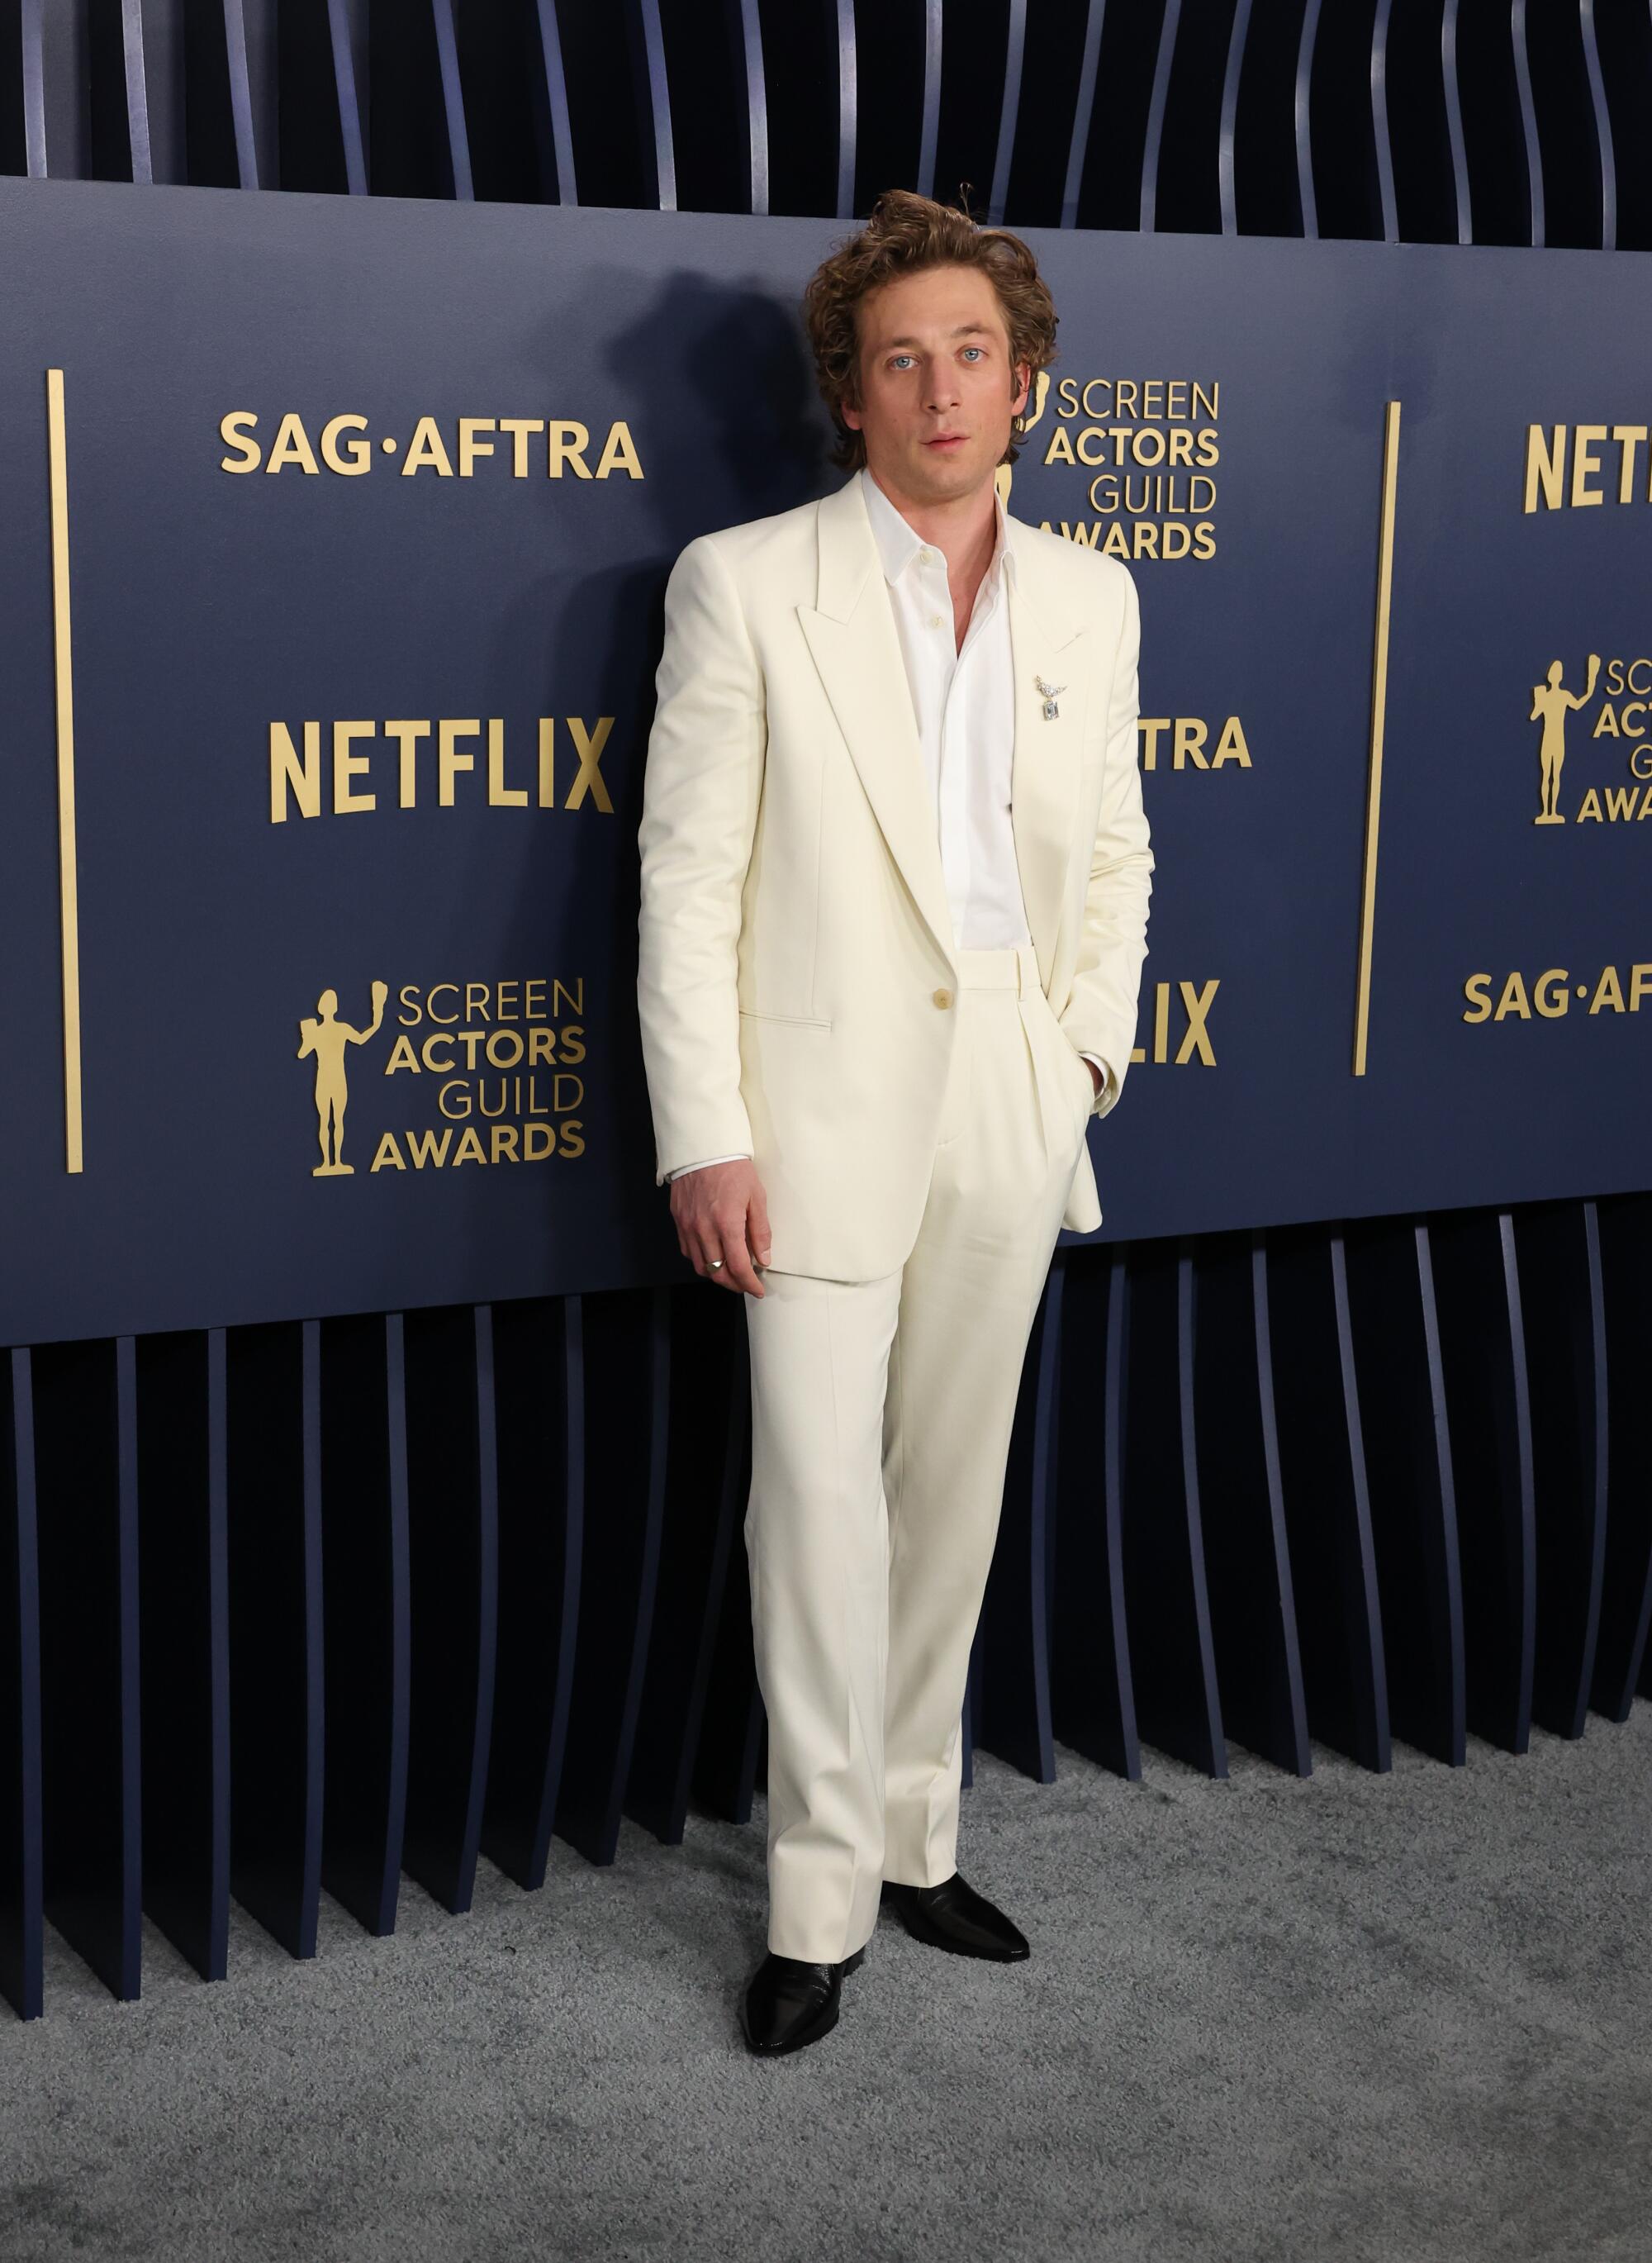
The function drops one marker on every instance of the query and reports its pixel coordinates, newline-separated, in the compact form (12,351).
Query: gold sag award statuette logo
(1492,996)
(1551,704)
(1624,713)
(497,1062)
(325,1037)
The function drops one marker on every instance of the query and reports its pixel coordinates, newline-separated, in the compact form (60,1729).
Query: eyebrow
(964,331)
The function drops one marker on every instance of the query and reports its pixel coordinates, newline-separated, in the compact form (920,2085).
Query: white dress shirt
(963,703)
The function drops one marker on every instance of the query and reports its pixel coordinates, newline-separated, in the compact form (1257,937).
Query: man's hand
(722,1211)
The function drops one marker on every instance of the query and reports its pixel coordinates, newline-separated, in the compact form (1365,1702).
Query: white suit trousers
(881,1419)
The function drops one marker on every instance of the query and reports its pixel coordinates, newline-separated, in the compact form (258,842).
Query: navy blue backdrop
(538,408)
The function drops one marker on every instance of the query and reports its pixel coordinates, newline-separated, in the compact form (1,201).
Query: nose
(941,388)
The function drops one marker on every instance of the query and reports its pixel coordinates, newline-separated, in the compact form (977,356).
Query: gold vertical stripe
(1378,708)
(70,888)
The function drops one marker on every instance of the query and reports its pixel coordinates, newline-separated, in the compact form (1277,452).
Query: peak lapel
(1047,640)
(851,634)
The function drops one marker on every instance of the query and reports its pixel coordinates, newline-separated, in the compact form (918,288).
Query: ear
(1023,379)
(850,414)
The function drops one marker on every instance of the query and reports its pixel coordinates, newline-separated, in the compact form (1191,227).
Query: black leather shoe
(790,2002)
(954,1916)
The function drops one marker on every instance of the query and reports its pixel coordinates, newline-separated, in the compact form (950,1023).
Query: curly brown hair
(905,232)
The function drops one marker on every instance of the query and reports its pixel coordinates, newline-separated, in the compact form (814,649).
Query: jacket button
(944,997)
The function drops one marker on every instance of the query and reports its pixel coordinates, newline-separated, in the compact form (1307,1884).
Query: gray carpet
(1401,2018)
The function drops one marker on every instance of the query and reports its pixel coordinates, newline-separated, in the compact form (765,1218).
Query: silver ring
(715,1263)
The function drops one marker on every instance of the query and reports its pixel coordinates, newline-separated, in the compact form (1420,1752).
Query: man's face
(937,391)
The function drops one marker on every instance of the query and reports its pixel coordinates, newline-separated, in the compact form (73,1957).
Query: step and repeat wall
(336,531)
(372,1465)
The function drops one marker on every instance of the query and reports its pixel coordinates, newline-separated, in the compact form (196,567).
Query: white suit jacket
(796,983)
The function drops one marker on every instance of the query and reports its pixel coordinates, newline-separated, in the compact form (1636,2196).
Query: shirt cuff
(705,1163)
(1102,1089)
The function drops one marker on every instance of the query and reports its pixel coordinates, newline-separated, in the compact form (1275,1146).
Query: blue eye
(897,359)
(974,349)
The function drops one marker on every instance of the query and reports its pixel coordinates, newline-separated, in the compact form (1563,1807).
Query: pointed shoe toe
(952,1915)
(789,2002)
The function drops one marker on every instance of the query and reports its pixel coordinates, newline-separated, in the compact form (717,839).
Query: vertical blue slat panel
(1559,1250)
(453,1558)
(848,108)
(734,1472)
(1449,1603)
(1189,1429)
(1568,120)
(273,1392)
(1231,78)
(1010,110)
(540,1415)
(1324,1495)
(929,126)
(1413,1502)
(1495,156)
(1380,123)
(709,1425)
(347,33)
(556,114)
(1528,122)
(1413,129)
(86,1499)
(56,95)
(1092,1700)
(1154,142)
(749,41)
(1246,1553)
(250,43)
(130,1717)
(459,144)
(1599,1458)
(1306,193)
(134,67)
(1626,1264)
(218,1616)
(1482,1349)
(1619,59)
(1460,185)
(627,1360)
(21,1927)
(1292,1694)
(1527,1534)
(487,1457)
(183,1645)
(654,102)
(365,1613)
(1602,128)
(1095,12)
(155,33)
(1165,1588)
(725,1766)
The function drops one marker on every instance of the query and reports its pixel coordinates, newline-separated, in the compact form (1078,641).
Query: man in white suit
(895,881)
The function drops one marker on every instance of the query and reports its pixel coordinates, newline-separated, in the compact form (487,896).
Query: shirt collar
(898,545)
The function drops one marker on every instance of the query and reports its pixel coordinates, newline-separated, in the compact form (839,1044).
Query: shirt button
(944,997)
(926,557)
(935,621)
